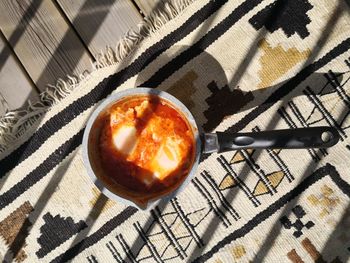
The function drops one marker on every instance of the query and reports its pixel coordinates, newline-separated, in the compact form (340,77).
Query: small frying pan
(301,138)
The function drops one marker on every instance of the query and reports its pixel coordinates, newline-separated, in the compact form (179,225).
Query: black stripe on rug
(42,170)
(104,88)
(327,170)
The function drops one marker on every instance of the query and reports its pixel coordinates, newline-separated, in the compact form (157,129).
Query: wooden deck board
(147,6)
(101,23)
(15,87)
(42,40)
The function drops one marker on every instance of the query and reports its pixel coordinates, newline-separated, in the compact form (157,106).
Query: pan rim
(134,92)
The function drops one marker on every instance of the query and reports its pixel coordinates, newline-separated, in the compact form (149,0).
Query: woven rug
(244,65)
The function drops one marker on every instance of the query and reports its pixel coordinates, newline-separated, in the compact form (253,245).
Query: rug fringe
(15,123)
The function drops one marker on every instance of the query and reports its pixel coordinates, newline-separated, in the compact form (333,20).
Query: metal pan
(315,137)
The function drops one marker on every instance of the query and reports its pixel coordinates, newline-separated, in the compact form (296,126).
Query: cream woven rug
(238,65)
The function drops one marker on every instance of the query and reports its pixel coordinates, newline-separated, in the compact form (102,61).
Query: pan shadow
(202,86)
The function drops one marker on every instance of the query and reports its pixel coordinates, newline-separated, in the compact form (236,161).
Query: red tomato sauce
(157,151)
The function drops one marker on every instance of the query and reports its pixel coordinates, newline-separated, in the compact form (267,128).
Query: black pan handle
(301,138)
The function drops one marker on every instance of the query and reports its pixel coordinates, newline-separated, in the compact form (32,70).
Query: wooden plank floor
(43,40)
(15,85)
